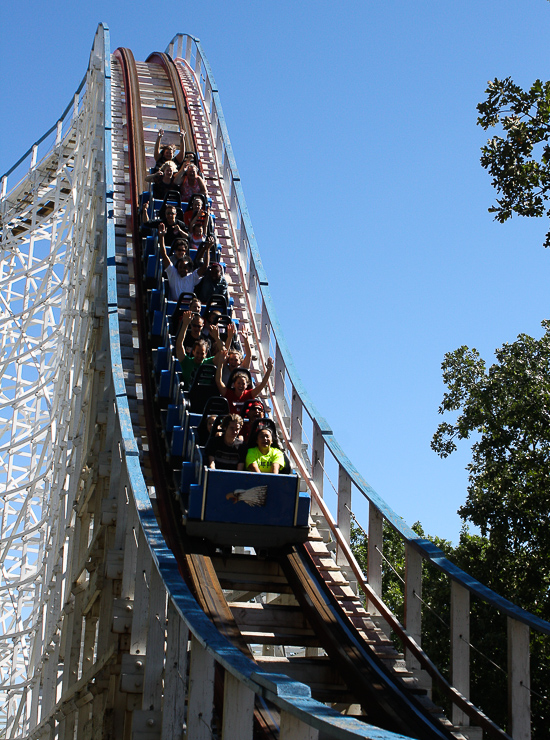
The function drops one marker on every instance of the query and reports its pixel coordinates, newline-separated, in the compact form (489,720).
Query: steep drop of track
(294,611)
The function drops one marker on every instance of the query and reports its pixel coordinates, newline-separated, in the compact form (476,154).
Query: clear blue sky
(353,126)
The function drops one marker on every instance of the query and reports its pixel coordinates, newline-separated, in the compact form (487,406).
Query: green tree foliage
(488,656)
(507,408)
(519,160)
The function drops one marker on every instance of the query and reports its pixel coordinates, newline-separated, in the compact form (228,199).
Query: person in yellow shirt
(261,456)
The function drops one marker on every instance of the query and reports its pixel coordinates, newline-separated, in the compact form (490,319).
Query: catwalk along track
(151,621)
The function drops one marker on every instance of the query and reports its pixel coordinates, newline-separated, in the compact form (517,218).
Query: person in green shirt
(199,352)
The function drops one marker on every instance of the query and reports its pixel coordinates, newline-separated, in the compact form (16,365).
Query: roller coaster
(117,620)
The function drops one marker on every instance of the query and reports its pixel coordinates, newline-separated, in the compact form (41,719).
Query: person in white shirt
(181,276)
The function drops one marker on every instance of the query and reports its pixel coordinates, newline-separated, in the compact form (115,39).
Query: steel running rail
(291,400)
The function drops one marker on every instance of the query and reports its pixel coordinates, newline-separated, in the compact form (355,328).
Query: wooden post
(233,207)
(318,458)
(460,648)
(141,598)
(201,693)
(296,421)
(208,96)
(374,566)
(293,729)
(130,552)
(317,462)
(264,333)
(279,380)
(198,64)
(175,684)
(252,291)
(238,709)
(154,667)
(413,605)
(344,508)
(519,684)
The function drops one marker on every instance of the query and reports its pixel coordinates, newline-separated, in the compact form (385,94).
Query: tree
(488,632)
(488,657)
(519,163)
(506,409)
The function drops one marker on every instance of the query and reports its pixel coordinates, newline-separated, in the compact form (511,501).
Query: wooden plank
(294,638)
(257,615)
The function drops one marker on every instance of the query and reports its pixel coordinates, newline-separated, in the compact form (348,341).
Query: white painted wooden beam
(201,693)
(238,710)
(519,683)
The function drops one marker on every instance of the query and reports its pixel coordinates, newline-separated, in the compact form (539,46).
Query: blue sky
(353,127)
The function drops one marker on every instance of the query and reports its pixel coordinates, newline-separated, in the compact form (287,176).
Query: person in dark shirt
(163,180)
(190,332)
(197,212)
(167,153)
(212,283)
(235,357)
(253,410)
(175,229)
(222,453)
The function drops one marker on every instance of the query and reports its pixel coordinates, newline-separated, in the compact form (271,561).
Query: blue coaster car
(259,510)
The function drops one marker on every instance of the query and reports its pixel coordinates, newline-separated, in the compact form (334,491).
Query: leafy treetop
(520,168)
(507,408)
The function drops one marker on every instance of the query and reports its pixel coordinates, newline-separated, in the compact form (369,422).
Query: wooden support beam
(175,677)
(154,667)
(141,597)
(519,695)
(318,458)
(293,729)
(460,648)
(413,605)
(374,567)
(238,710)
(201,693)
(344,509)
